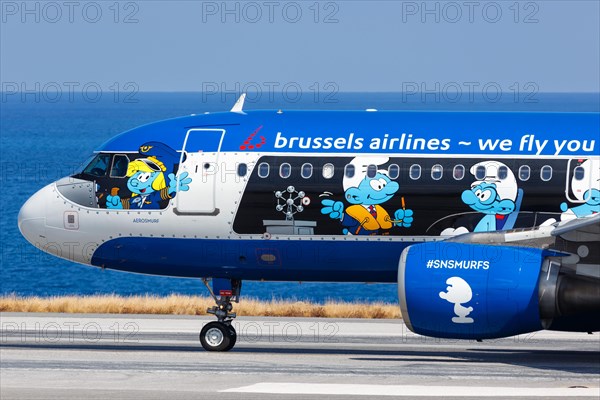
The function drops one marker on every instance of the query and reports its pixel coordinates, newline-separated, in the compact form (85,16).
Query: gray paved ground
(61,356)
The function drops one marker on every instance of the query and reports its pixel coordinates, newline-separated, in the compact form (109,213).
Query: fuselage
(313,195)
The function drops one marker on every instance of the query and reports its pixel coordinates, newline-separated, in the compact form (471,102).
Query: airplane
(488,222)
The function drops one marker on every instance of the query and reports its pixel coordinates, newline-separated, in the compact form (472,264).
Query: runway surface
(71,356)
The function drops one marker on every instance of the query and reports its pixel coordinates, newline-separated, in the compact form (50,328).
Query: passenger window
(436,172)
(480,172)
(371,171)
(98,166)
(524,172)
(458,172)
(415,172)
(119,166)
(349,171)
(393,171)
(263,170)
(306,171)
(579,173)
(242,169)
(285,170)
(546,173)
(328,171)
(502,173)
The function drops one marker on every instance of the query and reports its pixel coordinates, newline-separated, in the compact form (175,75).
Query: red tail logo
(248,143)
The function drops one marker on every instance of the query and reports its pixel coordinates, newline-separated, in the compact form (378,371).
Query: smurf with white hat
(366,189)
(586,188)
(494,194)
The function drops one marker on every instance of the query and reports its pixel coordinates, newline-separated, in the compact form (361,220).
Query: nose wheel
(220,335)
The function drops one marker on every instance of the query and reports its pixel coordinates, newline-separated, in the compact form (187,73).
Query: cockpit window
(119,166)
(98,166)
(147,179)
(83,165)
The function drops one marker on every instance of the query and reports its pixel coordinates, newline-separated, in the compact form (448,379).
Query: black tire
(232,337)
(215,336)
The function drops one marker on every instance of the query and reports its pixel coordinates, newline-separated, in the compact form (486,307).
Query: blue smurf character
(496,195)
(590,207)
(366,193)
(586,188)
(148,185)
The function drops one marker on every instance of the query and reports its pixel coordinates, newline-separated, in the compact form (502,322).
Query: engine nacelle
(473,291)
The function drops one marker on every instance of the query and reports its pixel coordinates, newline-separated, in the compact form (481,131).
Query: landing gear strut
(220,335)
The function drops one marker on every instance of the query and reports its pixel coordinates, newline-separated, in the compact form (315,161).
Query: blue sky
(356,45)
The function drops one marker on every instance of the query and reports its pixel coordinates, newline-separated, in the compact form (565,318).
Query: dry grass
(194,305)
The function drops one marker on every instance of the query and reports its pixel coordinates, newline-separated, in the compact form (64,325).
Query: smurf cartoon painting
(459,292)
(495,195)
(366,188)
(585,185)
(147,181)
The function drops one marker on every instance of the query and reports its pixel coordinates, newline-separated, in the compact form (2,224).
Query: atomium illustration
(290,202)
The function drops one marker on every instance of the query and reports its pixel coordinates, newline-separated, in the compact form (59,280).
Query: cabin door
(202,147)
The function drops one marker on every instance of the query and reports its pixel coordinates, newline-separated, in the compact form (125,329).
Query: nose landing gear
(220,335)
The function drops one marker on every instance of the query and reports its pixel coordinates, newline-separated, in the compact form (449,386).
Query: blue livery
(382,132)
(488,222)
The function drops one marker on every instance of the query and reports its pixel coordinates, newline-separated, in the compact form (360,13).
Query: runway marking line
(410,390)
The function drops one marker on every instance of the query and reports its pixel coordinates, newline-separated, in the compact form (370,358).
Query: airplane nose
(32,217)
